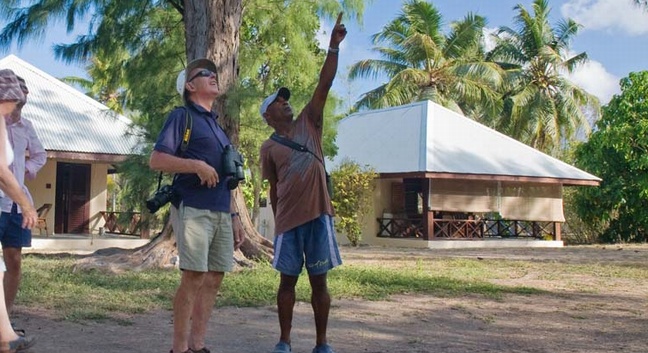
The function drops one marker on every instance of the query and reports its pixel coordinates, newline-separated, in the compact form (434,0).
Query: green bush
(352,198)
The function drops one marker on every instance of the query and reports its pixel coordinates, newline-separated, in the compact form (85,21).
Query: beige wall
(43,190)
(98,195)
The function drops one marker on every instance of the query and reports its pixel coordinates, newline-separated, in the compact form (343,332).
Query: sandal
(202,350)
(18,345)
(323,348)
(282,347)
(20,332)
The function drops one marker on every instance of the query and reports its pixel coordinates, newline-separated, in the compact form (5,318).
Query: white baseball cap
(282,92)
(182,76)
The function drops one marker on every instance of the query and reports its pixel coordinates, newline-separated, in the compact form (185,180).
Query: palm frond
(372,68)
(465,37)
(572,63)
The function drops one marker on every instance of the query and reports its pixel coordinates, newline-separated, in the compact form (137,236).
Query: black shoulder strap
(187,131)
(294,145)
(185,139)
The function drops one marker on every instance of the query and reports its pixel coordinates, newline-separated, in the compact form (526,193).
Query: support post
(557,231)
(428,215)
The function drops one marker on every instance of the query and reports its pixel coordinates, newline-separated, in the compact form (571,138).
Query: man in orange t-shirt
(300,200)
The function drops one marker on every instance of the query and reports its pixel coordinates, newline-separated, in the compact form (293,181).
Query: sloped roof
(67,120)
(425,137)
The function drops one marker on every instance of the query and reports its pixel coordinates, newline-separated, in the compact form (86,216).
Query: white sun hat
(182,75)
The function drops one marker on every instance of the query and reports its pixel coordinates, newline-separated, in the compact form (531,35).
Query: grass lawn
(49,283)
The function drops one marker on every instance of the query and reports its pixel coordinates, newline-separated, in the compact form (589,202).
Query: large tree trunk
(212,31)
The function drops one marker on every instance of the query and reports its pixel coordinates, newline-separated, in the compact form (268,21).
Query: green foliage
(353,188)
(617,152)
(575,230)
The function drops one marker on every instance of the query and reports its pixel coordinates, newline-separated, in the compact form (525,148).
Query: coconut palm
(422,62)
(541,106)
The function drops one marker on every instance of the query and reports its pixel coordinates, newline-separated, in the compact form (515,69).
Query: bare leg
(13,260)
(183,303)
(321,302)
(285,305)
(203,307)
(7,334)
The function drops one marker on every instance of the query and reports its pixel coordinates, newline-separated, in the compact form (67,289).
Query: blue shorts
(313,242)
(12,234)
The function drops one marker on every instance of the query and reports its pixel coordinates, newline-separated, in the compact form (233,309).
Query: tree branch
(178,6)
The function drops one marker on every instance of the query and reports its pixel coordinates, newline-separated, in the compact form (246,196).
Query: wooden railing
(465,228)
(128,223)
(513,229)
(400,228)
(458,229)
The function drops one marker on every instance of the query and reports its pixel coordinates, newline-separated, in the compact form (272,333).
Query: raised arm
(328,72)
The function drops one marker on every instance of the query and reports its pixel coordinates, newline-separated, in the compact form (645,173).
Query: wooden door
(72,198)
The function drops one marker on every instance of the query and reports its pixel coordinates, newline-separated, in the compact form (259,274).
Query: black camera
(163,196)
(233,167)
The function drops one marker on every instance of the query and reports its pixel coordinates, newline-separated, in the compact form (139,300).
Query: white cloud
(489,40)
(613,15)
(593,78)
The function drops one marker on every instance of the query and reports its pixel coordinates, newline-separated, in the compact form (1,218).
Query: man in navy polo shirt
(203,215)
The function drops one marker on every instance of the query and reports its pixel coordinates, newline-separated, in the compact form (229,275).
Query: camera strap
(294,145)
(301,148)
(187,132)
(184,145)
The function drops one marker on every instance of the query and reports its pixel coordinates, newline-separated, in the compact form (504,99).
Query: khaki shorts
(205,239)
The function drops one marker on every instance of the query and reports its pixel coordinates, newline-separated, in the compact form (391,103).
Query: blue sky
(614,35)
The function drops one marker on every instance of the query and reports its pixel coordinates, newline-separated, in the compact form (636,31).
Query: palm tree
(541,106)
(422,62)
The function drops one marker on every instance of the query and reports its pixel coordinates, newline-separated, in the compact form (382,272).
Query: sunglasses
(202,73)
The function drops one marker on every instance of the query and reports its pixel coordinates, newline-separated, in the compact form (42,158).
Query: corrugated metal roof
(67,120)
(426,137)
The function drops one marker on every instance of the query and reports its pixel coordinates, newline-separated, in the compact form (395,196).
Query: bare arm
(9,184)
(273,196)
(168,163)
(328,72)
(37,154)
